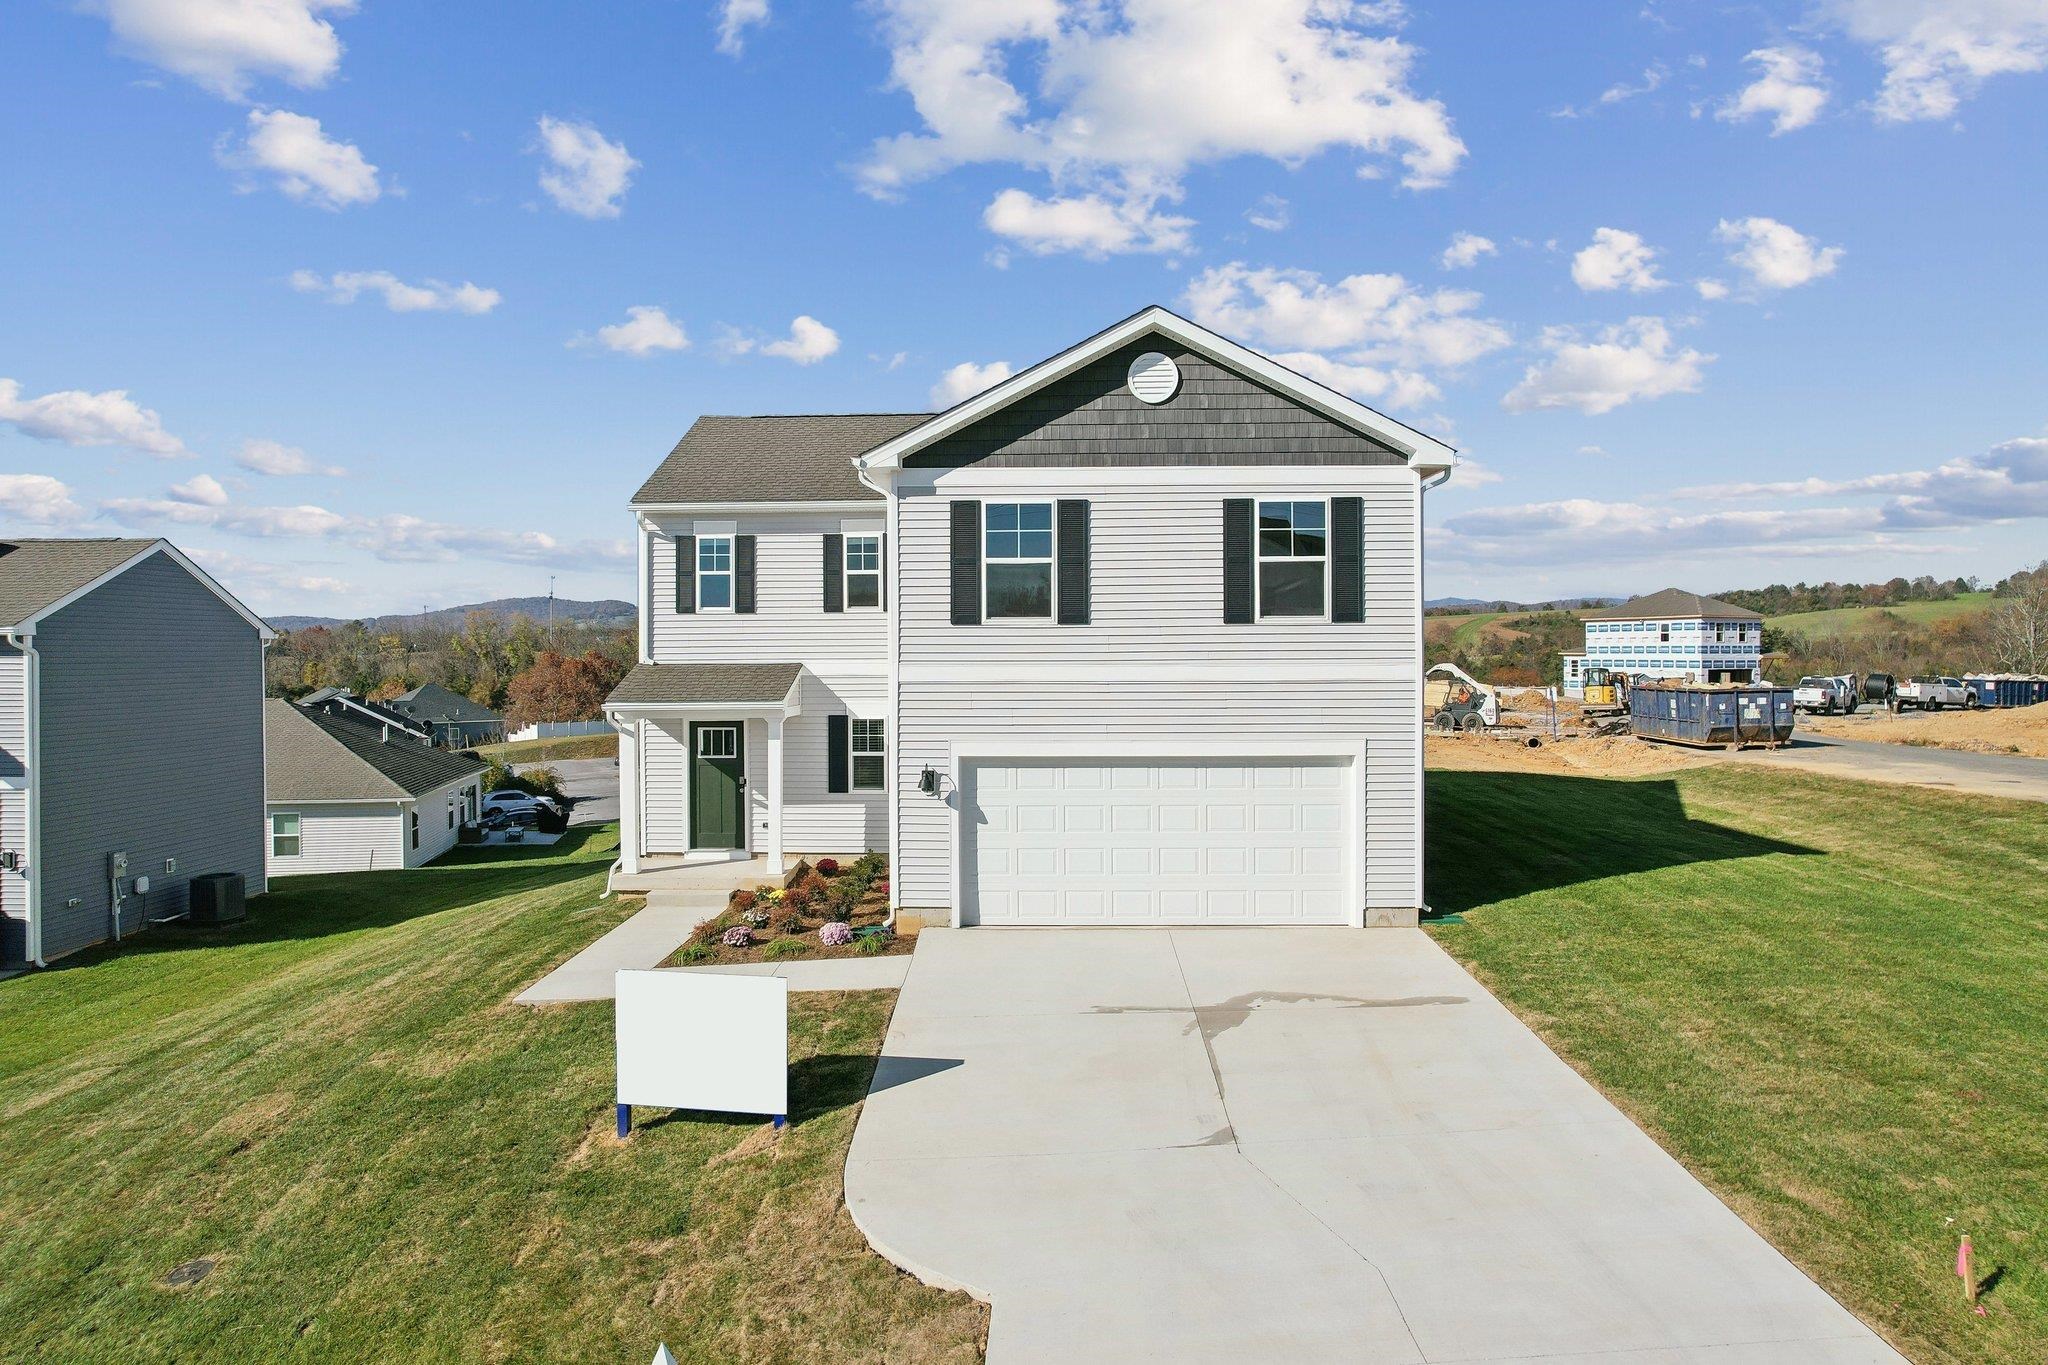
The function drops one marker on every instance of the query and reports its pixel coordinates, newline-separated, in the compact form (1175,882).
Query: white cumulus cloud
(646,330)
(965,380)
(1937,54)
(202,490)
(278,460)
(1790,89)
(428,296)
(1616,260)
(1091,224)
(735,17)
(1465,250)
(809,341)
(1622,364)
(587,174)
(308,165)
(39,499)
(78,418)
(223,45)
(1775,256)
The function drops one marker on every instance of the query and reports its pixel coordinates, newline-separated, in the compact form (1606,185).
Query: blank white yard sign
(704,1040)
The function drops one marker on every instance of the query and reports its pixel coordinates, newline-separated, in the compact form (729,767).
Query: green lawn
(391,1162)
(1849,620)
(1829,999)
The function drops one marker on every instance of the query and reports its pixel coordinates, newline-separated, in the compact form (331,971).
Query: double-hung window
(864,738)
(714,573)
(415,825)
(1017,560)
(1294,558)
(284,835)
(863,571)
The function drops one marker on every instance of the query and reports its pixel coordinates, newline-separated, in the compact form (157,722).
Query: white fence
(561,729)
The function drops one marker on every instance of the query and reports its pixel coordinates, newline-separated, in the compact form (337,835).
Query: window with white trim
(863,572)
(1016,560)
(285,828)
(714,573)
(864,738)
(718,741)
(415,828)
(1294,558)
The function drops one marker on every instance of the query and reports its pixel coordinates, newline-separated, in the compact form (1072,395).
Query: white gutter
(892,547)
(32,683)
(1421,657)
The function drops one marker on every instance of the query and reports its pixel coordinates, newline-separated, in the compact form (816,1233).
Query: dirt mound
(1604,756)
(2020,730)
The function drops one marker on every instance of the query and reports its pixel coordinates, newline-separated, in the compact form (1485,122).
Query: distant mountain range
(1491,603)
(608,612)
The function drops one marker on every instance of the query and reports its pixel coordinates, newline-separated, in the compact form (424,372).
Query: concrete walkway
(645,940)
(2010,775)
(1290,1144)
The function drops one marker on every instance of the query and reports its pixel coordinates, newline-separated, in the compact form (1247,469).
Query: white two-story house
(1133,637)
(1669,634)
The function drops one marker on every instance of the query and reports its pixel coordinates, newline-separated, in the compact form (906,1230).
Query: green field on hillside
(1850,620)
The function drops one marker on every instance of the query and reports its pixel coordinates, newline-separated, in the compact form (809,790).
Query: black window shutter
(966,562)
(686,574)
(1237,561)
(743,574)
(835,581)
(1347,559)
(837,746)
(1072,549)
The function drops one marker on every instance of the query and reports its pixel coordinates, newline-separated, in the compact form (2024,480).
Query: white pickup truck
(1826,695)
(1931,694)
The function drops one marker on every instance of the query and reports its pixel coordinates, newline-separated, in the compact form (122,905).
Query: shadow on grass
(344,902)
(1494,836)
(818,1085)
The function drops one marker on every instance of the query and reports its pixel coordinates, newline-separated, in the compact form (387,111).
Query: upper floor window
(714,573)
(863,571)
(865,741)
(1017,559)
(1664,633)
(1294,558)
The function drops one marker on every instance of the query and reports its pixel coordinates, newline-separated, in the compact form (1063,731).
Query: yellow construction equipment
(1606,691)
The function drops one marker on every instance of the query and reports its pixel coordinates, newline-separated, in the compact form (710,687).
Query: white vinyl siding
(1157,663)
(437,836)
(342,837)
(789,622)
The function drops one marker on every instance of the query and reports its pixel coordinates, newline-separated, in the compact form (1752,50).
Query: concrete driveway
(2009,775)
(591,784)
(1290,1144)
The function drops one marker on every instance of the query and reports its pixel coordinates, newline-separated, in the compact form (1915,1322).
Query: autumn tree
(559,687)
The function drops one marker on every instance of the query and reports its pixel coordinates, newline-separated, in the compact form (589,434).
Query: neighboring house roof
(1684,606)
(38,577)
(340,701)
(312,756)
(1422,451)
(727,684)
(802,458)
(320,694)
(434,703)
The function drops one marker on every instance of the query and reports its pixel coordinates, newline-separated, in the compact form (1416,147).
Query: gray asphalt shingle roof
(433,702)
(312,756)
(1685,606)
(731,684)
(35,573)
(800,458)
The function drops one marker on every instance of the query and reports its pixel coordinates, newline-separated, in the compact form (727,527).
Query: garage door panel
(1157,842)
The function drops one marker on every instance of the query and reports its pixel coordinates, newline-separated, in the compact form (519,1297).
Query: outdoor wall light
(928,782)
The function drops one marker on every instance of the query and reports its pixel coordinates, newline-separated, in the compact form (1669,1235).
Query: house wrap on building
(1669,634)
(1134,637)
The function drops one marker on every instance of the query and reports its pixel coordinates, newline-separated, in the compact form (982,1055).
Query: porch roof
(706,685)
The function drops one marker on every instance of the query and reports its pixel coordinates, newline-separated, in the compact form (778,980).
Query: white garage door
(1157,842)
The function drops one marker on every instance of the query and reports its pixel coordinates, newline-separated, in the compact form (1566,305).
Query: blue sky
(373,305)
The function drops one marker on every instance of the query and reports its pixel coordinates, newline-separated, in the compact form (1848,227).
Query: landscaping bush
(785,921)
(711,932)
(828,867)
(534,781)
(846,895)
(837,934)
(743,900)
(738,936)
(783,947)
(797,900)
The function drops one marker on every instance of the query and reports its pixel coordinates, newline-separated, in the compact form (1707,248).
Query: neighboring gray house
(131,724)
(1134,637)
(349,796)
(452,719)
(339,701)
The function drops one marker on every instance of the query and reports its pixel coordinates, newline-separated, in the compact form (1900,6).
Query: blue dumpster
(1724,715)
(1987,688)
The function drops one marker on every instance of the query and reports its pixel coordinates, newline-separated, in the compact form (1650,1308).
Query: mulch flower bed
(825,911)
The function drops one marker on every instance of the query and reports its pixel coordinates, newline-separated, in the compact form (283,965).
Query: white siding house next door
(1159,841)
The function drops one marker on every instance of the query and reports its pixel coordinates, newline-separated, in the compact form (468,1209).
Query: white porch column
(774,849)
(631,819)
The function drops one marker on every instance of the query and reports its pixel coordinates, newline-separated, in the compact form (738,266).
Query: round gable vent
(1154,378)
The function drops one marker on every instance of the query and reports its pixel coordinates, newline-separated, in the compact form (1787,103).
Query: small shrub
(837,934)
(742,900)
(783,947)
(797,900)
(739,936)
(692,953)
(815,884)
(785,922)
(828,867)
(711,931)
(845,900)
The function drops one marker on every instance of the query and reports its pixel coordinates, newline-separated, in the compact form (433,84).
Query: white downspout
(1421,780)
(892,547)
(32,821)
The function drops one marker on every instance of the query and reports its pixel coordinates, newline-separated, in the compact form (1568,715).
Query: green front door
(718,797)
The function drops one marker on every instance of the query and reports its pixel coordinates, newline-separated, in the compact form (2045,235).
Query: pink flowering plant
(739,936)
(836,934)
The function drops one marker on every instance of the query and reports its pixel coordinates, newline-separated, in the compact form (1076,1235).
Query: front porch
(698,872)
